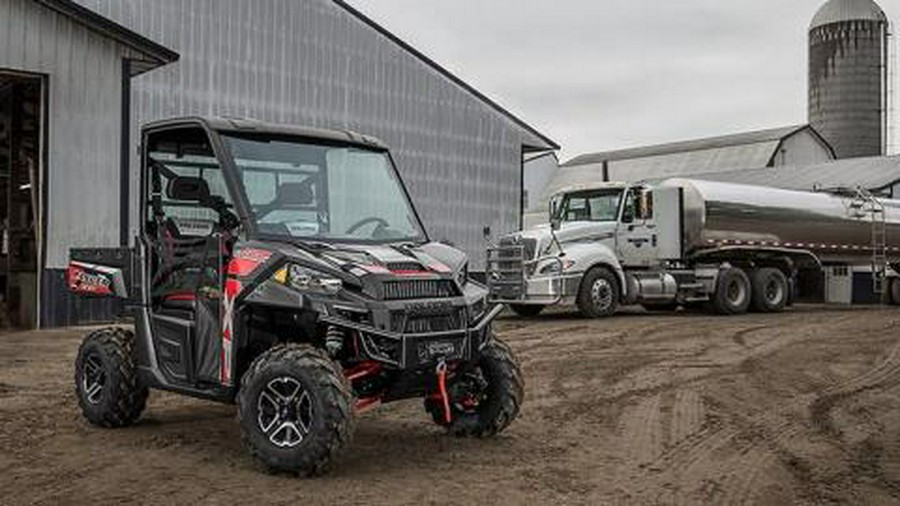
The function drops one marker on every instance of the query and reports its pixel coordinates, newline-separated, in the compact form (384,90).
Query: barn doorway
(21,119)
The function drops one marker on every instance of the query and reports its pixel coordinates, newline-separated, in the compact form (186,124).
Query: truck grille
(419,289)
(529,246)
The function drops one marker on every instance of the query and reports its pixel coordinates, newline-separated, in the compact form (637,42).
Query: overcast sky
(606,74)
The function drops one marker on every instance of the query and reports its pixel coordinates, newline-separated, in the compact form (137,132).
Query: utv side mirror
(188,189)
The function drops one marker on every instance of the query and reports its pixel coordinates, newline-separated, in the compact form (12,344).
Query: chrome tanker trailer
(685,242)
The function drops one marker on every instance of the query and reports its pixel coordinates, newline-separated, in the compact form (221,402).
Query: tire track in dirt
(883,375)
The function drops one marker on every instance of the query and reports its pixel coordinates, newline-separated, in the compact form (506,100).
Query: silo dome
(837,11)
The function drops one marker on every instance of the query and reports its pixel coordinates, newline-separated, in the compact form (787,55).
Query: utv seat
(179,301)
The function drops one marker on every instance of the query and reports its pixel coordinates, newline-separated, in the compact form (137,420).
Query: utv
(285,270)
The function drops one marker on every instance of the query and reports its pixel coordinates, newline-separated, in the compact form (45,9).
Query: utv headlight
(462,276)
(307,280)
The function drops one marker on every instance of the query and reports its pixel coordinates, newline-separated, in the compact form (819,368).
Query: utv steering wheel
(382,223)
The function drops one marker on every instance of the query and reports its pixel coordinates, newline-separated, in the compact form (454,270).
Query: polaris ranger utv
(285,269)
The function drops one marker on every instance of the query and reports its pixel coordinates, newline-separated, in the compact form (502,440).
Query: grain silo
(848,92)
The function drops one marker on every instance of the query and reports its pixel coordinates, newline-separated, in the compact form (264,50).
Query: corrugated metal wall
(84,73)
(311,62)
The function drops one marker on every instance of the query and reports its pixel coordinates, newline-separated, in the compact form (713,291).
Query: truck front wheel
(295,410)
(106,380)
(770,290)
(733,292)
(598,295)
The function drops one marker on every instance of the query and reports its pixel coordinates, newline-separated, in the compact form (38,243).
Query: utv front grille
(402,323)
(405,267)
(419,289)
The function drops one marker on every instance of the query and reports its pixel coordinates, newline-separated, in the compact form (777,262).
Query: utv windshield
(596,205)
(324,192)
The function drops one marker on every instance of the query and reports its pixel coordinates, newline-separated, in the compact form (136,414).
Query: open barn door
(20,170)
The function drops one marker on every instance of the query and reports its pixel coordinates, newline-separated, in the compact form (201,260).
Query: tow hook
(441,373)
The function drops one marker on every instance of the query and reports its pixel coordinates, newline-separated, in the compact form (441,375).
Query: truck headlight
(307,280)
(556,267)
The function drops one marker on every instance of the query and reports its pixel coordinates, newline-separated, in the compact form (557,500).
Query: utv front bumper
(410,351)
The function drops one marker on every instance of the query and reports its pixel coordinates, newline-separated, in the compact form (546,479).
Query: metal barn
(309,62)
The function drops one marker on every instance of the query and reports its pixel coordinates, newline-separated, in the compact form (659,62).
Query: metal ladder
(867,205)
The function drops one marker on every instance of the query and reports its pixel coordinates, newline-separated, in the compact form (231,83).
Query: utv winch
(285,269)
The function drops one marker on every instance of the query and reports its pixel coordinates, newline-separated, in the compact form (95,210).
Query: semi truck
(726,247)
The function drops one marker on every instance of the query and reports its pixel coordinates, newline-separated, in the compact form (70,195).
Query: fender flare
(593,255)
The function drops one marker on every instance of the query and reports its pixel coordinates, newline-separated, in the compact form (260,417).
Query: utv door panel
(174,344)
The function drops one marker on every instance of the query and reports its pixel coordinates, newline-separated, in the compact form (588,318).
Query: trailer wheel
(770,290)
(733,292)
(106,380)
(295,410)
(895,291)
(598,296)
(526,311)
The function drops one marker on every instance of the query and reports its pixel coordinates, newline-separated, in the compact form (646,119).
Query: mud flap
(208,341)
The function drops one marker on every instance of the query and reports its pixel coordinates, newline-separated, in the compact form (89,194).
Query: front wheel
(598,296)
(485,400)
(526,311)
(295,410)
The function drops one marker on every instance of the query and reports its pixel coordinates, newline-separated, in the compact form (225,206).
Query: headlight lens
(307,280)
(462,277)
(557,267)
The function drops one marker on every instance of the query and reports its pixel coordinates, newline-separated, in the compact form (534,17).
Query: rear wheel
(733,292)
(599,293)
(106,380)
(485,400)
(295,410)
(770,290)
(526,311)
(895,291)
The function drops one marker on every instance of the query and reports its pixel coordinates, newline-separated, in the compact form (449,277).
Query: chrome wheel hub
(736,293)
(601,294)
(774,292)
(285,412)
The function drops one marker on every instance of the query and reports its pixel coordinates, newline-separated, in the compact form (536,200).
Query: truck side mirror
(555,223)
(486,233)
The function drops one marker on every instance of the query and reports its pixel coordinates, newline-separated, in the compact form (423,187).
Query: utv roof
(245,125)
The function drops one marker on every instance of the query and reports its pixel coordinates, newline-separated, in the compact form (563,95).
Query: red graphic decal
(247,260)
(233,288)
(81,281)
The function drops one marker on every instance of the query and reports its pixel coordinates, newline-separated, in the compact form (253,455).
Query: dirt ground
(798,408)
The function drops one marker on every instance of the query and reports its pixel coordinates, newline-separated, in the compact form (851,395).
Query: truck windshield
(594,205)
(323,192)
